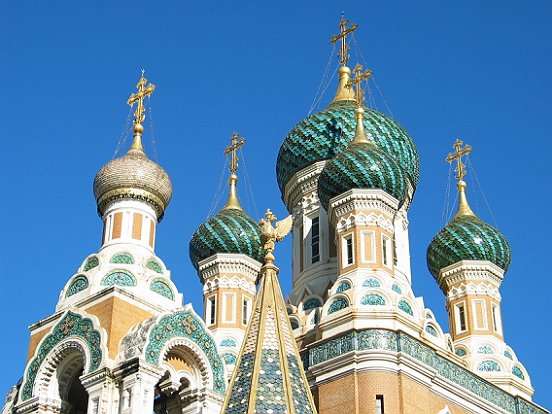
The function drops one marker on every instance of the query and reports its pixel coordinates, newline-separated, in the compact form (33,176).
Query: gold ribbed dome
(133,176)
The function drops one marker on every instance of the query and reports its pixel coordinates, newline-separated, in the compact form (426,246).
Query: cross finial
(138,97)
(237,142)
(357,81)
(343,32)
(457,155)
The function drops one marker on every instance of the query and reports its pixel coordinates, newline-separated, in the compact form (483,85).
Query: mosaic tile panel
(78,284)
(71,325)
(230,231)
(431,330)
(396,288)
(508,355)
(122,258)
(270,386)
(518,372)
(488,365)
(185,324)
(163,289)
(467,238)
(154,265)
(229,342)
(323,135)
(405,307)
(119,278)
(460,352)
(372,299)
(373,283)
(91,263)
(485,349)
(312,303)
(361,165)
(343,287)
(337,305)
(229,358)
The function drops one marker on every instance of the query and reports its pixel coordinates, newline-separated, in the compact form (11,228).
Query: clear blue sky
(480,72)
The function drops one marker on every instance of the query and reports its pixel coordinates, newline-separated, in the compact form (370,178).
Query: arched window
(343,287)
(78,284)
(488,365)
(405,307)
(119,278)
(311,303)
(160,287)
(371,283)
(122,258)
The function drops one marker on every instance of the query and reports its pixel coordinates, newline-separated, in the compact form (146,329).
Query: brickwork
(356,394)
(116,316)
(34,341)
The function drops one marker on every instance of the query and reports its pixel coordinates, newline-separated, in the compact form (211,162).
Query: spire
(269,376)
(360,134)
(343,93)
(463,206)
(140,114)
(237,142)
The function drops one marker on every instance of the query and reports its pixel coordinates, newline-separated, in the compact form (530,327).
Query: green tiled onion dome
(323,135)
(362,165)
(230,231)
(467,237)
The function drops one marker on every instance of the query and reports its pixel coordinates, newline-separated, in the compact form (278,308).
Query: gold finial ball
(138,128)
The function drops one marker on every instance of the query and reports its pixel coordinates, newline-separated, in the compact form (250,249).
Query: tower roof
(269,376)
(466,236)
(231,230)
(134,175)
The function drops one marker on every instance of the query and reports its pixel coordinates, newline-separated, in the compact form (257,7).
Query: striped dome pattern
(230,231)
(362,165)
(323,135)
(467,238)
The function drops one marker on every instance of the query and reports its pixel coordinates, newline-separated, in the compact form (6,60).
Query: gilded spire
(343,93)
(360,134)
(237,142)
(269,375)
(463,206)
(140,113)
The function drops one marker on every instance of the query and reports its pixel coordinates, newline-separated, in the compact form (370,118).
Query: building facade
(351,337)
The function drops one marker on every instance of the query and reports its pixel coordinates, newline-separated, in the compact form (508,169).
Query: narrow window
(461,317)
(315,240)
(385,248)
(349,246)
(212,309)
(379,404)
(245,311)
(496,318)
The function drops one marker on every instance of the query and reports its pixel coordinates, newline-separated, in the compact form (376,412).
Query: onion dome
(361,165)
(134,175)
(229,231)
(467,237)
(323,135)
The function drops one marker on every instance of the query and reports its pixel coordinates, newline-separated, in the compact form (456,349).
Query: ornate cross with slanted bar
(457,155)
(143,91)
(344,31)
(357,81)
(237,142)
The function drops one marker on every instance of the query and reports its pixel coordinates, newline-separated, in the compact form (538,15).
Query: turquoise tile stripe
(230,231)
(361,166)
(323,135)
(459,241)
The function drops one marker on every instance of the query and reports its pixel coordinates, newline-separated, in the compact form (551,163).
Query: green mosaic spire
(269,376)
(323,135)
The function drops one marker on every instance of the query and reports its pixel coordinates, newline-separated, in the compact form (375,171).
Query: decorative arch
(119,278)
(122,258)
(184,325)
(338,304)
(154,265)
(162,288)
(71,326)
(343,286)
(78,284)
(91,263)
(311,303)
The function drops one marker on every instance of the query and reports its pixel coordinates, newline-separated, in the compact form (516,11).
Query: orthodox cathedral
(351,336)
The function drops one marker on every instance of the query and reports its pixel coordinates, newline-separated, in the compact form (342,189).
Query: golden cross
(457,155)
(237,142)
(357,81)
(143,91)
(344,31)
